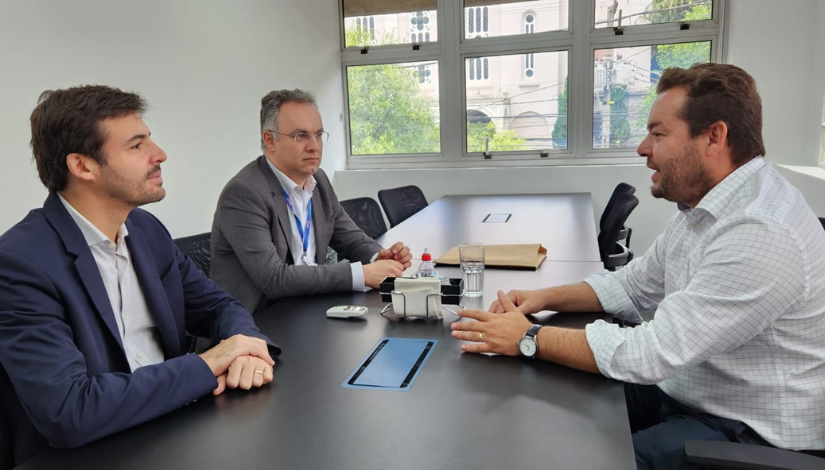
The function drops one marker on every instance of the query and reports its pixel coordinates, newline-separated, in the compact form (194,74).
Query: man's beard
(683,178)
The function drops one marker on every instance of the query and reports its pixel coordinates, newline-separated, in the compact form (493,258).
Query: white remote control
(347,311)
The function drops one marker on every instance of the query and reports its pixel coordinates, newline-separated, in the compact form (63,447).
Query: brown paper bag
(505,256)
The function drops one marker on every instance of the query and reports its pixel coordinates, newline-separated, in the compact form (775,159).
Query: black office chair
(626,232)
(613,253)
(822,221)
(366,213)
(197,248)
(727,455)
(401,203)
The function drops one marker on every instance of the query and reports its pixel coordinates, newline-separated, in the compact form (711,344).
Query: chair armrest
(721,454)
(621,256)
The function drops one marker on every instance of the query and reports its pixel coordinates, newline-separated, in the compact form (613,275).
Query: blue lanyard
(303,232)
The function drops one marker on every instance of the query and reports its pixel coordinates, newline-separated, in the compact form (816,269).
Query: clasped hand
(397,252)
(390,262)
(239,362)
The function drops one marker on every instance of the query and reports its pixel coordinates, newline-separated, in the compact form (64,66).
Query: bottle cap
(426,256)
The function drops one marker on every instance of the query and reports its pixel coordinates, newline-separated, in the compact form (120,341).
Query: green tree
(670,11)
(619,126)
(389,114)
(675,55)
(559,133)
(478,134)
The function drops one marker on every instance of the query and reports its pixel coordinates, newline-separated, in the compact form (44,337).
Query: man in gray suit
(277,216)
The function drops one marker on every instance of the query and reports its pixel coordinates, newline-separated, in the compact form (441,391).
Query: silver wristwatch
(527,345)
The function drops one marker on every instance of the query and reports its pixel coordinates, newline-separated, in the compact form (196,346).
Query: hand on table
(376,271)
(493,332)
(524,301)
(397,252)
(223,355)
(245,372)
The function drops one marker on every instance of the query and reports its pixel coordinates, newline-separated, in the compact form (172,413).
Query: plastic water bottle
(426,269)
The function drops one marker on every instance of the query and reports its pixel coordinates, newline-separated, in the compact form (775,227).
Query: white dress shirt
(300,198)
(738,287)
(134,321)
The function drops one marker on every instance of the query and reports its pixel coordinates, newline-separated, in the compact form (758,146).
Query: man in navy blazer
(95,298)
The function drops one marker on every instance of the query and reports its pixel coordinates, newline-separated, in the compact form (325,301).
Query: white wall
(782,44)
(202,65)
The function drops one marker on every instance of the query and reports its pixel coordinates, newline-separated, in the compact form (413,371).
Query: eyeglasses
(303,137)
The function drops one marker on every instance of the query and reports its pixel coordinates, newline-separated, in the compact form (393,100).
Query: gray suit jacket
(251,258)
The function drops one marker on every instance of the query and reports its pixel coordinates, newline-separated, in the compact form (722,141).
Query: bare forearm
(567,347)
(578,297)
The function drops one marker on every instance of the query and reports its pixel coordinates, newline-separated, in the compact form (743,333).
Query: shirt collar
(289,185)
(721,195)
(91,234)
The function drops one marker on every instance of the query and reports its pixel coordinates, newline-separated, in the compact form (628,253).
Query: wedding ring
(480,337)
(259,372)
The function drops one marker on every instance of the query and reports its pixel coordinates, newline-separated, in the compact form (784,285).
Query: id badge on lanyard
(303,231)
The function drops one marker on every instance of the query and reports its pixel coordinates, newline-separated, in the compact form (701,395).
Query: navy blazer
(65,378)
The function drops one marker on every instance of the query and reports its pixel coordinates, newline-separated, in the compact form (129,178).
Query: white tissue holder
(416,297)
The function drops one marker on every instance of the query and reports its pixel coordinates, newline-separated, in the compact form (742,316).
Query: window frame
(822,136)
(580,40)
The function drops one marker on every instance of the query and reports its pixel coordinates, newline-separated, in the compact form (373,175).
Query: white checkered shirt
(738,287)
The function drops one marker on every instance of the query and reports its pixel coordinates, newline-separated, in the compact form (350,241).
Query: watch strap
(533,331)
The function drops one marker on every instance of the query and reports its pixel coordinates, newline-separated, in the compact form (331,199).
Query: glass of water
(472,268)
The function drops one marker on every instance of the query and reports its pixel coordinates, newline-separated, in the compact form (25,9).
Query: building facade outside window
(529,58)
(478,26)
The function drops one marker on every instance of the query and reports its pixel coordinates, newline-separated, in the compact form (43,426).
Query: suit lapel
(85,263)
(279,201)
(319,227)
(153,291)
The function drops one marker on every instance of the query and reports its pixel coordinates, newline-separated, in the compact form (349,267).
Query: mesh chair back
(612,252)
(197,249)
(401,203)
(366,214)
(621,188)
(618,191)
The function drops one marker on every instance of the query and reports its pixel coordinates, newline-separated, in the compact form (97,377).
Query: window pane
(624,87)
(509,109)
(377,22)
(491,18)
(393,108)
(610,13)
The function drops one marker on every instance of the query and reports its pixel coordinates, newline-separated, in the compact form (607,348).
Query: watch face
(527,346)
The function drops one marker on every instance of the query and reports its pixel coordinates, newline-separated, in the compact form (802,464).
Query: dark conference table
(562,223)
(463,411)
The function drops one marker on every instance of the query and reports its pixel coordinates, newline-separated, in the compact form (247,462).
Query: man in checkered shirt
(736,349)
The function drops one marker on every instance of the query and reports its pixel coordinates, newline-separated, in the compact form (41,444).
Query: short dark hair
(720,92)
(272,102)
(67,121)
